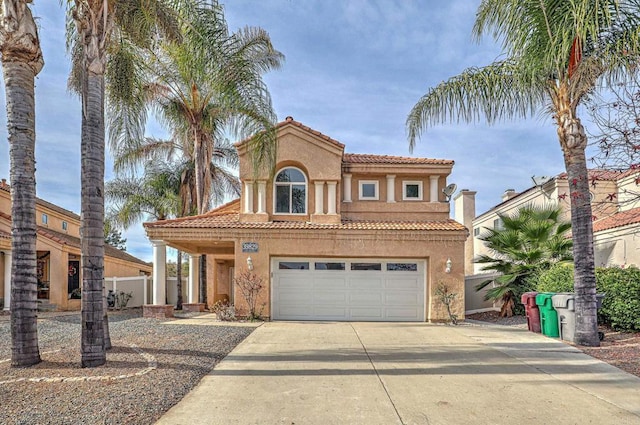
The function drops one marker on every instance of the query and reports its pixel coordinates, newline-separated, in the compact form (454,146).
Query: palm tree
(203,89)
(21,62)
(530,240)
(554,54)
(102,37)
(155,195)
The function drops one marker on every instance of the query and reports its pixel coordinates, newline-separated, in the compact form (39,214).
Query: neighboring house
(616,214)
(58,252)
(334,236)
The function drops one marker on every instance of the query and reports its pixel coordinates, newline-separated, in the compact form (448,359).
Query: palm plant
(555,52)
(21,62)
(102,34)
(202,89)
(530,240)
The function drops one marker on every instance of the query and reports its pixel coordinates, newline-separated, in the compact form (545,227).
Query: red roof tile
(357,158)
(4,235)
(228,217)
(291,121)
(623,218)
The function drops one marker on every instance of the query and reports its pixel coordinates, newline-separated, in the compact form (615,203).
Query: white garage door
(347,289)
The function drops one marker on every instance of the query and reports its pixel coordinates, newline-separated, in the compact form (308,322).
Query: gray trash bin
(564,304)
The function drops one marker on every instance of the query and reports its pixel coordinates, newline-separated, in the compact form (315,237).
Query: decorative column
(194,274)
(331,197)
(391,188)
(433,188)
(262,197)
(319,197)
(159,309)
(159,272)
(346,179)
(7,280)
(248,197)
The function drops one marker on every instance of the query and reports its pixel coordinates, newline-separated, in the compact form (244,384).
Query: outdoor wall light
(447,266)
(249,263)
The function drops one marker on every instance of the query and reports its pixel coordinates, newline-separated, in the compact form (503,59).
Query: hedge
(621,304)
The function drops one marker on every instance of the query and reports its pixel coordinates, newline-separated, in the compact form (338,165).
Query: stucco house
(333,235)
(616,214)
(58,251)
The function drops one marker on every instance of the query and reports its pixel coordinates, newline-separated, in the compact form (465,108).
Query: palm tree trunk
(19,86)
(179,279)
(575,140)
(92,223)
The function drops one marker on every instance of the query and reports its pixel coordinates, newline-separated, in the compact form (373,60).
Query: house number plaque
(249,247)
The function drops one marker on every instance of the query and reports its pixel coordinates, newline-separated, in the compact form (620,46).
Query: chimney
(508,194)
(464,213)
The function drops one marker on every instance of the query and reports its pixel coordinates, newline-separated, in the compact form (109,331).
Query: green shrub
(559,278)
(621,304)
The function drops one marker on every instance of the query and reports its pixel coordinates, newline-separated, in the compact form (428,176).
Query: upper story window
(64,225)
(411,191)
(368,190)
(290,192)
(45,219)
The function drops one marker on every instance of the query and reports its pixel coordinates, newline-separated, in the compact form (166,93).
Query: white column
(248,197)
(433,188)
(159,272)
(331,197)
(391,188)
(319,197)
(346,179)
(194,274)
(262,197)
(7,280)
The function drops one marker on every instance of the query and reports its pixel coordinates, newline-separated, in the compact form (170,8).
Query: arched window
(290,192)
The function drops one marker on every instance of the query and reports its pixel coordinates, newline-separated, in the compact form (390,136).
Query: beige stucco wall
(617,247)
(434,249)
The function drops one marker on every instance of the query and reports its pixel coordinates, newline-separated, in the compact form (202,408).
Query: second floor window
(290,189)
(45,219)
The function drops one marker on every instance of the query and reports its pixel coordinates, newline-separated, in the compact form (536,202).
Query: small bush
(621,304)
(224,310)
(559,278)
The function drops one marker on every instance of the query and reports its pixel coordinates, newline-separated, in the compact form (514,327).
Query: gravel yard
(150,368)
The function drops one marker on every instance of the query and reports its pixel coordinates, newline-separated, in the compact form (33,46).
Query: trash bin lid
(544,298)
(528,298)
(563,300)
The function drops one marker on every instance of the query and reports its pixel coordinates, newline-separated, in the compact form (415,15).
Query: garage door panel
(329,283)
(298,281)
(366,298)
(408,284)
(373,282)
(366,314)
(326,297)
(406,299)
(392,291)
(330,313)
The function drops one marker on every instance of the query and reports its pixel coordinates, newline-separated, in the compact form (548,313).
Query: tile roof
(65,239)
(623,218)
(228,217)
(602,174)
(358,158)
(290,121)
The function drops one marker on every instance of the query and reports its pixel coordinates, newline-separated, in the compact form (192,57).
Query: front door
(73,279)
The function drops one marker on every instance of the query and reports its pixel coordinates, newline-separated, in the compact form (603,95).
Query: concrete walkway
(407,373)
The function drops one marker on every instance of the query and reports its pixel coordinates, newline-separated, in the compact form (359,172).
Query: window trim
(406,183)
(306,191)
(376,183)
(65,225)
(44,218)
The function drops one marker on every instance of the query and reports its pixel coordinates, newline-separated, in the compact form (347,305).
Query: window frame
(361,196)
(406,183)
(44,218)
(65,225)
(290,185)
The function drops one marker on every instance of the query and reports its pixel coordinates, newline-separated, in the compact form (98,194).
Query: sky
(353,71)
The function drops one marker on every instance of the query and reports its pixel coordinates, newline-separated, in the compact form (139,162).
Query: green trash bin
(548,315)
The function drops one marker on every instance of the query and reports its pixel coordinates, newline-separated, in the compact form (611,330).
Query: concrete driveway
(407,373)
